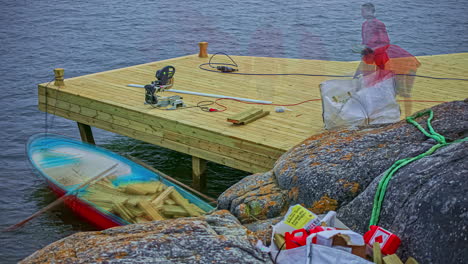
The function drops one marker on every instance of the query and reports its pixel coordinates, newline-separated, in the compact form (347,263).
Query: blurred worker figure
(384,59)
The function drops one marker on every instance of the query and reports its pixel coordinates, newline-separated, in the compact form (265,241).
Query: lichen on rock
(215,238)
(257,197)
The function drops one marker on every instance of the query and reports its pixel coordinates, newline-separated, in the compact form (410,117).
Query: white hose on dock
(209,95)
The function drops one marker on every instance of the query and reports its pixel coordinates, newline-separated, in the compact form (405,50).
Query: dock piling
(198,173)
(59,73)
(203,49)
(86,133)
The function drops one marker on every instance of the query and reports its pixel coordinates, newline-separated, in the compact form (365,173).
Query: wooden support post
(59,73)
(203,49)
(198,173)
(86,133)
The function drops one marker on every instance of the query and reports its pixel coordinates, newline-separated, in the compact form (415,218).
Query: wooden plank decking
(103,100)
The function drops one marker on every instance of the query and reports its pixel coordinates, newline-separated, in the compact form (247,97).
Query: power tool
(164,81)
(225,69)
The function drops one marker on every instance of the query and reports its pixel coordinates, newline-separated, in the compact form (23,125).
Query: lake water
(85,37)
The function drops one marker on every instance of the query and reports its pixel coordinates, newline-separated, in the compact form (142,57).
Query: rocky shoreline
(425,204)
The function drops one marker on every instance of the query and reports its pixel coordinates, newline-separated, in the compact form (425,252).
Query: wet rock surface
(215,238)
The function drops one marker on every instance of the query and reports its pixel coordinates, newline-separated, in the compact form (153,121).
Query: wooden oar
(95,179)
(169,178)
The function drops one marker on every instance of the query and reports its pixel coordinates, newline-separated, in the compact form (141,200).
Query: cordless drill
(226,69)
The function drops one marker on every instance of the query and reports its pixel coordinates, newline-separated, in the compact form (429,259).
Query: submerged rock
(215,238)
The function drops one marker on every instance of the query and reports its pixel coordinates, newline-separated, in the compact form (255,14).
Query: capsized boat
(129,194)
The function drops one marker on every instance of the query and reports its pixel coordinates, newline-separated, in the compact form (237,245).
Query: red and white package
(388,241)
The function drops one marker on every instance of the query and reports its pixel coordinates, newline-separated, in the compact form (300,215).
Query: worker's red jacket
(374,34)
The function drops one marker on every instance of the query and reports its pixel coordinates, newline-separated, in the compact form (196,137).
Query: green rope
(382,187)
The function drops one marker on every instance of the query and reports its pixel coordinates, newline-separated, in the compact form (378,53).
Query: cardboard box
(342,241)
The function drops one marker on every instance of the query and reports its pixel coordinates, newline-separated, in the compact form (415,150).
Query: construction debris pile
(141,202)
(304,237)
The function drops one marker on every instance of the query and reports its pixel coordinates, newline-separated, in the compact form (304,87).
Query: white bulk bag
(350,103)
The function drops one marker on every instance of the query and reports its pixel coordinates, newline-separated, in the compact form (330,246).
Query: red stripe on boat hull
(85,211)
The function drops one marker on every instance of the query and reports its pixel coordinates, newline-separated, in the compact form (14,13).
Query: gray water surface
(93,36)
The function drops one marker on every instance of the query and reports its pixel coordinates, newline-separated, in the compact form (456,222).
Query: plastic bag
(315,254)
(318,254)
(299,217)
(352,103)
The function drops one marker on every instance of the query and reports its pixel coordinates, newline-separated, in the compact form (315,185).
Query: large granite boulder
(329,170)
(426,204)
(254,198)
(263,229)
(215,238)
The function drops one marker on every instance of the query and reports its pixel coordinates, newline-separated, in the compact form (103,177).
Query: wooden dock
(105,101)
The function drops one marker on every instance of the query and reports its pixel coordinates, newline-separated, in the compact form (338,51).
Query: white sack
(349,103)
